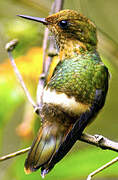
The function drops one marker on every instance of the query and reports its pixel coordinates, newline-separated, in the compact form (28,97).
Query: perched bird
(75,93)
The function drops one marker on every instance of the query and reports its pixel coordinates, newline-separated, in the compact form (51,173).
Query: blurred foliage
(81,160)
(25,32)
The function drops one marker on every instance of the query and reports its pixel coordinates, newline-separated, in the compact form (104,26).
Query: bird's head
(69,26)
(72,25)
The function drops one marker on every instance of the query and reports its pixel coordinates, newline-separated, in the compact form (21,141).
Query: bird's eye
(63,24)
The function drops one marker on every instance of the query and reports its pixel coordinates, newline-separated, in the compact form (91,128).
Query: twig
(100,141)
(104,143)
(59,5)
(45,47)
(10,47)
(43,75)
(102,168)
(12,155)
(56,6)
(45,39)
(96,140)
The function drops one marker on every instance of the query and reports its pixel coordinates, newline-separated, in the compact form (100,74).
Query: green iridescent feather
(80,77)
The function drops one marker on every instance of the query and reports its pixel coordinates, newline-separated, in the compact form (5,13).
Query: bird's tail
(44,147)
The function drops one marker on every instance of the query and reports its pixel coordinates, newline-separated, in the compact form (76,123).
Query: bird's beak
(41,20)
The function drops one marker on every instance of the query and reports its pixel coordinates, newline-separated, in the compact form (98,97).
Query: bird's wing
(77,129)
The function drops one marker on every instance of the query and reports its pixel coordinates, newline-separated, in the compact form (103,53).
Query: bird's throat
(71,48)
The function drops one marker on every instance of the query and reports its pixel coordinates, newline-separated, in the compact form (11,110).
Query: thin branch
(102,168)
(12,155)
(100,141)
(10,47)
(40,89)
(96,140)
(45,39)
(59,5)
(43,75)
(56,6)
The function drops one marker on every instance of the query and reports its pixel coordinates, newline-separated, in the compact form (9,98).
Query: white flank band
(61,99)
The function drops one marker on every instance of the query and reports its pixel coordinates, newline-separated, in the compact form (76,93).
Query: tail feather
(43,148)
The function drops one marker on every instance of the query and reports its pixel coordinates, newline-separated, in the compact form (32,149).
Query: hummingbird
(75,93)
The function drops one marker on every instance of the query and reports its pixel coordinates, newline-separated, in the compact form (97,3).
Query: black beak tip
(20,15)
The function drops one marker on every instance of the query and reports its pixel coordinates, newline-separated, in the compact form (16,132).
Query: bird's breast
(68,104)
